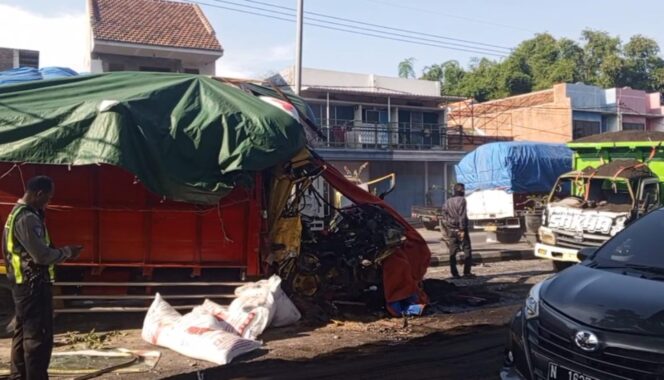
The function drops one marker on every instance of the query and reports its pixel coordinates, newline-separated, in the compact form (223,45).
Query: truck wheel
(510,236)
(561,265)
(431,226)
(7,309)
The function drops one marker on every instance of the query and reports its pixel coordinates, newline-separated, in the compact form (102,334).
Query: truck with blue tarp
(506,183)
(616,178)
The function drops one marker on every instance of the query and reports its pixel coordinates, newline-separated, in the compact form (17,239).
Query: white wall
(362,82)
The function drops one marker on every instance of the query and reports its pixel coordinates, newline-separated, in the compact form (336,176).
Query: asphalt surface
(465,353)
(484,249)
(461,337)
(465,341)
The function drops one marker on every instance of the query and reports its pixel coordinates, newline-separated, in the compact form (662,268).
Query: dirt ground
(460,337)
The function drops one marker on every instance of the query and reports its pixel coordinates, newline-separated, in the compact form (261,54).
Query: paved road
(475,353)
(462,340)
(465,343)
(478,239)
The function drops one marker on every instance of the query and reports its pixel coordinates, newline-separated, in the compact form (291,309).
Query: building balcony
(356,135)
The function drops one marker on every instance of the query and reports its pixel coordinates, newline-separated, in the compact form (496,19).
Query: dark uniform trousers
(33,334)
(456,244)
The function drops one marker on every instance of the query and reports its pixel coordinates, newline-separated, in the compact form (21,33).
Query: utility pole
(298,47)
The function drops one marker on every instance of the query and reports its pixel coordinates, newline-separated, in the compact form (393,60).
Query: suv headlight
(532,302)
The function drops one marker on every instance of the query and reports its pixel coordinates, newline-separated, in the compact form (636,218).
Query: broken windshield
(600,193)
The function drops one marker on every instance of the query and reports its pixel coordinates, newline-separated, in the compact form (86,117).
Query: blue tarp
(520,167)
(27,74)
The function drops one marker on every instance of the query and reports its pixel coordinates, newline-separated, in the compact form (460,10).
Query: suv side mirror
(586,253)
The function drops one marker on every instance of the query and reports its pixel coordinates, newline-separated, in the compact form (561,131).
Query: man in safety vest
(30,257)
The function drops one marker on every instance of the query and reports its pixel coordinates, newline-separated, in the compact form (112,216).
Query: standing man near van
(30,257)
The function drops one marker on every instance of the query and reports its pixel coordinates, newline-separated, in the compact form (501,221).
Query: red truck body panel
(122,224)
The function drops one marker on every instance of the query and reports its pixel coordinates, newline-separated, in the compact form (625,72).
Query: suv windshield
(640,244)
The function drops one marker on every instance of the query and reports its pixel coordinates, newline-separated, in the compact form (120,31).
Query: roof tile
(152,22)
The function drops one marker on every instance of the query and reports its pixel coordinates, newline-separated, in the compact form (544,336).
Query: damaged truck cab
(616,180)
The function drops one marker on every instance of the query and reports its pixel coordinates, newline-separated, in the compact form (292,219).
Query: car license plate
(558,372)
(490,228)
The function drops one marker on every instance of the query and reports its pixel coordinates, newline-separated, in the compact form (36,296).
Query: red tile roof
(152,22)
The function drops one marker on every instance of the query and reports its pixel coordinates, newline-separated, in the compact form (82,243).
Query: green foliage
(406,68)
(542,61)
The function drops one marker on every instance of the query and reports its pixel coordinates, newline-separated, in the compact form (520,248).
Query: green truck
(616,178)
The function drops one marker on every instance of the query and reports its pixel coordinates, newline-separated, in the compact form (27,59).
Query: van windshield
(639,244)
(603,193)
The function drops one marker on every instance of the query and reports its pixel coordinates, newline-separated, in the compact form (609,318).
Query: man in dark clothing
(455,223)
(30,257)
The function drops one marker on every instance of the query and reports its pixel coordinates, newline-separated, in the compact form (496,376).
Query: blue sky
(255,45)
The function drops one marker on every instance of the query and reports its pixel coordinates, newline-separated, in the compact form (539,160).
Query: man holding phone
(30,258)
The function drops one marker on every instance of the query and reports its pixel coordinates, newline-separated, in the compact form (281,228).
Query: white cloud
(254,63)
(282,53)
(61,39)
(229,68)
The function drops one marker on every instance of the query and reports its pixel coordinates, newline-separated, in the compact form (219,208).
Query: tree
(406,68)
(642,63)
(448,73)
(480,82)
(542,61)
(600,58)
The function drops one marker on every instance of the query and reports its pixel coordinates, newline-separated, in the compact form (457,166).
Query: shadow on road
(466,352)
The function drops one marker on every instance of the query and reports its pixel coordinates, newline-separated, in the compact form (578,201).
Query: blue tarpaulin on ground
(521,167)
(27,74)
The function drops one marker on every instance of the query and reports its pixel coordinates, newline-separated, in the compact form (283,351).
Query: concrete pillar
(426,181)
(445,182)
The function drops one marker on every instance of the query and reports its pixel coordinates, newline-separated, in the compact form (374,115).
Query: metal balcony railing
(349,134)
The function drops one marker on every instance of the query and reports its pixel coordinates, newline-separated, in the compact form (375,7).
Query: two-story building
(151,35)
(376,125)
(560,114)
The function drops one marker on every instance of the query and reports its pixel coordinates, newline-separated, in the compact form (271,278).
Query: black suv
(600,319)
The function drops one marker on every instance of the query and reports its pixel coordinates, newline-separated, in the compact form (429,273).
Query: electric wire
(369,33)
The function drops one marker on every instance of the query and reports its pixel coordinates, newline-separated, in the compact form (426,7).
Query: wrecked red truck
(187,185)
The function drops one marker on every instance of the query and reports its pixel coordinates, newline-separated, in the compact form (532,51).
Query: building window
(430,118)
(343,113)
(374,116)
(339,115)
(28,58)
(192,71)
(317,110)
(633,127)
(116,67)
(583,128)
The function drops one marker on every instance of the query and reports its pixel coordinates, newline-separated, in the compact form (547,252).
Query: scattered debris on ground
(75,340)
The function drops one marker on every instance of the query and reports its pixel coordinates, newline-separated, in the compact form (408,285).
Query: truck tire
(431,226)
(510,236)
(7,309)
(559,266)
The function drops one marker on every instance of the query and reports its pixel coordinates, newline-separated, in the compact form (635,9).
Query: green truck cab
(616,178)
